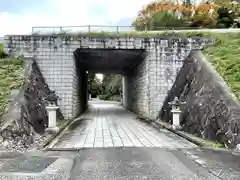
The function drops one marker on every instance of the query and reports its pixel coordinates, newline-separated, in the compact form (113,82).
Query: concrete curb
(193,139)
(49,140)
(55,138)
(9,154)
(196,140)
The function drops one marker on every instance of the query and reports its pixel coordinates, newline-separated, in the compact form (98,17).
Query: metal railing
(115,29)
(82,29)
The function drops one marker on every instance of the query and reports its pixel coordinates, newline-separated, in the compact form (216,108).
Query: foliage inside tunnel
(109,88)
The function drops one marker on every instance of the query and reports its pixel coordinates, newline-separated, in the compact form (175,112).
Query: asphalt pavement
(137,164)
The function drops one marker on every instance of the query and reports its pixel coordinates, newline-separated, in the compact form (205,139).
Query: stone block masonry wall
(164,62)
(57,66)
(148,88)
(138,94)
(155,75)
(56,63)
(75,89)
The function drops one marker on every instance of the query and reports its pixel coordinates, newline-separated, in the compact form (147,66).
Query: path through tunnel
(127,62)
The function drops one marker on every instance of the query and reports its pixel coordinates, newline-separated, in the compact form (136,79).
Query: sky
(18,16)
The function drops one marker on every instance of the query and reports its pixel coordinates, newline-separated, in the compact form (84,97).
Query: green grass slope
(225,57)
(11,77)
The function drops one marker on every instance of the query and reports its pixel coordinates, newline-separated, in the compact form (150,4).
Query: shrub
(160,19)
(2,54)
(225,19)
(202,20)
(164,19)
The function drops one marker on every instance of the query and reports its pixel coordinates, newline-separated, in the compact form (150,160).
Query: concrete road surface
(107,124)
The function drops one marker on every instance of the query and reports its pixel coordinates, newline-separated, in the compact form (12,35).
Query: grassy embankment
(225,57)
(11,77)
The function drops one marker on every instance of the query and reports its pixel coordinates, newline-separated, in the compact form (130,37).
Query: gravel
(24,143)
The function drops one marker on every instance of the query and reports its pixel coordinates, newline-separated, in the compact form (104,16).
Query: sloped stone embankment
(212,111)
(26,118)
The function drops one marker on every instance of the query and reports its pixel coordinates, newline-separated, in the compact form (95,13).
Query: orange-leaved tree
(202,13)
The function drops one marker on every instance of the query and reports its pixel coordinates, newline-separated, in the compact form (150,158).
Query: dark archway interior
(117,61)
(105,61)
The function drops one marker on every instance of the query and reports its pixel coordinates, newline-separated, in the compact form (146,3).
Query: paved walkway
(107,124)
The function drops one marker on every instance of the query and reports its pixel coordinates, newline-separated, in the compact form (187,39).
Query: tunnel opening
(105,87)
(120,64)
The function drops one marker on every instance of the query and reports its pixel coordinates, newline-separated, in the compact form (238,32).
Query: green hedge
(2,54)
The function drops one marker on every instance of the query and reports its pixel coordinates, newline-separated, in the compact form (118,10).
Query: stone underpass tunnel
(148,65)
(105,61)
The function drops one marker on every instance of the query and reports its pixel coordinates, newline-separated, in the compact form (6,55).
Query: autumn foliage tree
(155,14)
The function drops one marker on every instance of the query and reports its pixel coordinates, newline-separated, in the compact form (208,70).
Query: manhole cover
(31,164)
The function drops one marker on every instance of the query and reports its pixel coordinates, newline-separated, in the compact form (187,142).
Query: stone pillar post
(52,119)
(176,118)
(176,112)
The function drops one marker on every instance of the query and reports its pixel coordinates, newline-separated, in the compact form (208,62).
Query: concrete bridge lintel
(141,39)
(31,43)
(82,36)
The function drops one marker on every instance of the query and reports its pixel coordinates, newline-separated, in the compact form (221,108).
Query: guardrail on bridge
(120,29)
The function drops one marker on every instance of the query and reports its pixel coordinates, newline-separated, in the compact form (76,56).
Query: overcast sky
(18,16)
